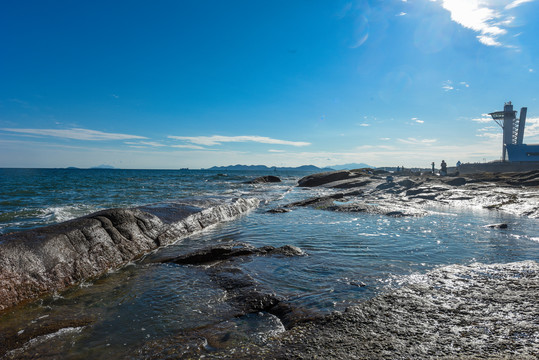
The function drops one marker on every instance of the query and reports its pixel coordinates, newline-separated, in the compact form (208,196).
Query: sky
(201,83)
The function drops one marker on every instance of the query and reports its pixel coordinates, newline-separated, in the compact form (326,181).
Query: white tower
(513,127)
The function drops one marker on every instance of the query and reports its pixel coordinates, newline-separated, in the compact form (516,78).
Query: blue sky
(172,84)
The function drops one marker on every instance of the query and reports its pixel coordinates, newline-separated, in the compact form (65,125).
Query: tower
(513,127)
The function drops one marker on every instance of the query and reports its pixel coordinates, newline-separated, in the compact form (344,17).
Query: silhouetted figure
(443,168)
(432,167)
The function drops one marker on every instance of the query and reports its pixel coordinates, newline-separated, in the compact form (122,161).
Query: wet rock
(14,338)
(278,211)
(406,183)
(387,185)
(228,251)
(325,178)
(347,184)
(456,181)
(317,200)
(40,261)
(264,179)
(474,312)
(498,226)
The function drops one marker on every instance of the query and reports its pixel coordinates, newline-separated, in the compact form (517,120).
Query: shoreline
(446,301)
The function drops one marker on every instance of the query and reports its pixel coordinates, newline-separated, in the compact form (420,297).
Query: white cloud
(364,124)
(418,121)
(219,139)
(532,128)
(401,13)
(145,143)
(195,147)
(276,151)
(385,139)
(447,85)
(415,141)
(486,17)
(516,3)
(76,134)
(485,118)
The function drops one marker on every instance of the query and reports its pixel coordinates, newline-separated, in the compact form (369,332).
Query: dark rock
(325,178)
(498,226)
(264,179)
(425,196)
(386,185)
(406,183)
(13,338)
(415,191)
(317,200)
(456,181)
(278,211)
(347,184)
(227,251)
(40,261)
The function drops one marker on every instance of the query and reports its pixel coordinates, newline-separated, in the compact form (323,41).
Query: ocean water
(351,257)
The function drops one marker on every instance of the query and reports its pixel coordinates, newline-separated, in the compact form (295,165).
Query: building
(513,149)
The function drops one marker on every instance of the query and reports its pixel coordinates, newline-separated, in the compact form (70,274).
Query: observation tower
(513,129)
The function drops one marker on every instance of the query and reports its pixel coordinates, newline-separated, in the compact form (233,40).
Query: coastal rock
(278,211)
(227,251)
(498,226)
(44,260)
(325,178)
(479,311)
(456,181)
(264,179)
(243,292)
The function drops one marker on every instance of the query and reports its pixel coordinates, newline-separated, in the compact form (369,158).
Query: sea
(350,257)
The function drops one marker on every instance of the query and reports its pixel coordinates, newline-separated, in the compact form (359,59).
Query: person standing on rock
(432,167)
(443,168)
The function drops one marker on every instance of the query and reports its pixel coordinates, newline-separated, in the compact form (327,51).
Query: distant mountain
(351,166)
(103,166)
(307,168)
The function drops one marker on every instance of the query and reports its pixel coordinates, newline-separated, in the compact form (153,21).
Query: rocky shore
(476,311)
(409,194)
(38,262)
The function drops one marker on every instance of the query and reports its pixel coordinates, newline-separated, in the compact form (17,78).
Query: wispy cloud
(485,118)
(416,120)
(219,139)
(365,125)
(194,147)
(448,85)
(402,13)
(75,133)
(489,18)
(415,141)
(276,151)
(532,128)
(516,3)
(145,143)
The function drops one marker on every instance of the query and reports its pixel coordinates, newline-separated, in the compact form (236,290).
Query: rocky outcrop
(264,179)
(477,311)
(405,195)
(44,260)
(228,251)
(325,178)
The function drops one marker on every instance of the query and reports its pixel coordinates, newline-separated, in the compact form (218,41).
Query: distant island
(103,167)
(310,168)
